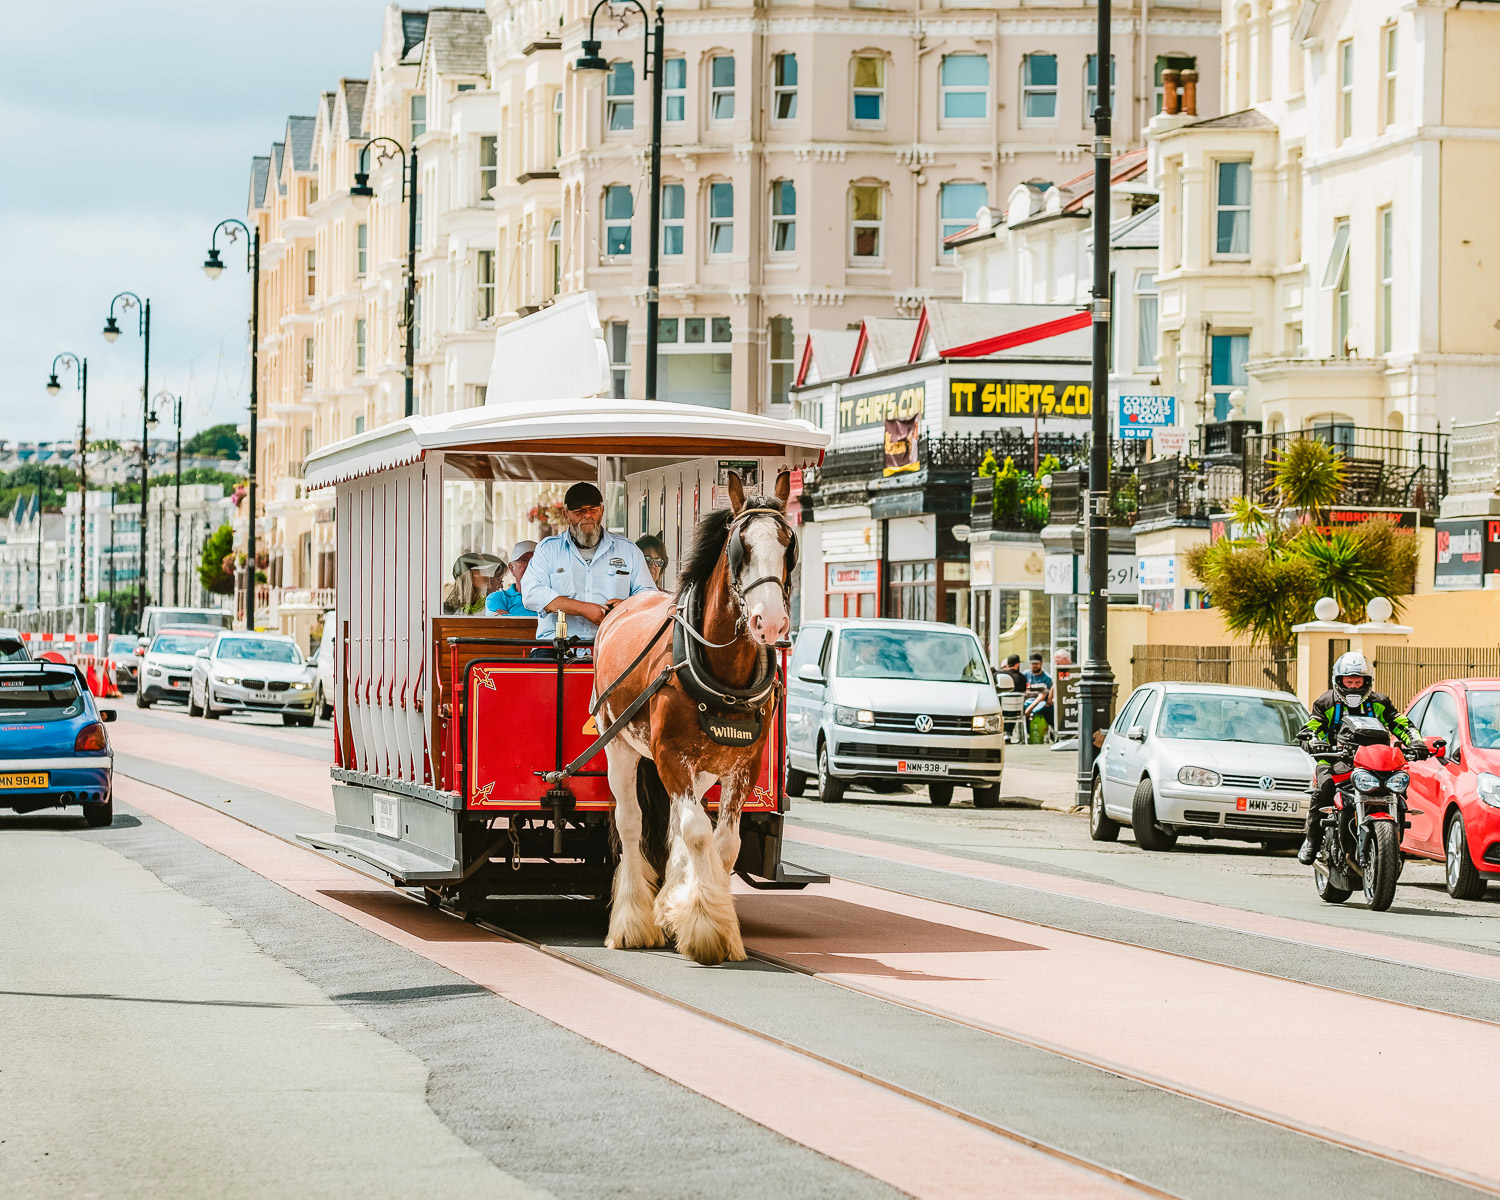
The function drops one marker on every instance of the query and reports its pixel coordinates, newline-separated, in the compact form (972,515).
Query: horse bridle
(734,551)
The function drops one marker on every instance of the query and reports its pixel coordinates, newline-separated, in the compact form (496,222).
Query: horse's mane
(708,543)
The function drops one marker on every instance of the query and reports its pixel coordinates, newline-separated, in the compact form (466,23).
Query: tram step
(399,863)
(789,878)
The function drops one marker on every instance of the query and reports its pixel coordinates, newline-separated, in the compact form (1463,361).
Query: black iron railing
(1179,489)
(1383,468)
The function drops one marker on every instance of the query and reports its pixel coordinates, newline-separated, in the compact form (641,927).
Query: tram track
(1333,1138)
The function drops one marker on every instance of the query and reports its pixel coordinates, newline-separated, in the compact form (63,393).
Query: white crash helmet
(1352,664)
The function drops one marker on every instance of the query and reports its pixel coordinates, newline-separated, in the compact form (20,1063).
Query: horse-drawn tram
(472,758)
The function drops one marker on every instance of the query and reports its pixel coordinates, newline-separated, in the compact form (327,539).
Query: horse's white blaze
(765,557)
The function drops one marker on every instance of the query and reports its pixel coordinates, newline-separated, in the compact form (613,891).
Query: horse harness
(727,714)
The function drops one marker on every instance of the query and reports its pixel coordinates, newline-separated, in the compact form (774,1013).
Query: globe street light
(213,268)
(362,193)
(593,67)
(127,301)
(54,388)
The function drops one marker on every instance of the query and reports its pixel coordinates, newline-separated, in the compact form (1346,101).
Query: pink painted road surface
(903,1142)
(1228,1036)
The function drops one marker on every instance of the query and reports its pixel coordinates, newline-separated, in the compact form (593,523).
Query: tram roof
(592,426)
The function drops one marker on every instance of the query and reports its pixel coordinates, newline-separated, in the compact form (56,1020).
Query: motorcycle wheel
(1327,890)
(1380,872)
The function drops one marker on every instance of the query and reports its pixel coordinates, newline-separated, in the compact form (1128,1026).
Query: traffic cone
(107,678)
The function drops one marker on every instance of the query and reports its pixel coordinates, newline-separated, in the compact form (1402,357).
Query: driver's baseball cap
(582,495)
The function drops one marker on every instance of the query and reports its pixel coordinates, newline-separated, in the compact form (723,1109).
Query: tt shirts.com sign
(1018,398)
(898,404)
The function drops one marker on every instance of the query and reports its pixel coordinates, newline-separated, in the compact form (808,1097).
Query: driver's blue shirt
(618,570)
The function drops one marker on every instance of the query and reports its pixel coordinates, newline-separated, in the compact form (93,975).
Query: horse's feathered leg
(695,905)
(733,791)
(632,920)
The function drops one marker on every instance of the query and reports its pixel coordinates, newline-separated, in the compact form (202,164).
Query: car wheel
(325,710)
(986,796)
(796,781)
(940,794)
(830,789)
(193,709)
(140,699)
(99,815)
(209,710)
(1464,882)
(1102,826)
(1148,834)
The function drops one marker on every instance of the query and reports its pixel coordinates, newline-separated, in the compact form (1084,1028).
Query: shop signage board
(1343,516)
(1018,398)
(1065,702)
(1060,575)
(1063,575)
(876,408)
(1157,571)
(1468,549)
(853,577)
(1169,443)
(1140,415)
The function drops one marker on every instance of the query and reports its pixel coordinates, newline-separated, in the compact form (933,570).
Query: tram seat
(444,628)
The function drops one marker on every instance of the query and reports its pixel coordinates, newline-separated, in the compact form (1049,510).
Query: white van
(883,702)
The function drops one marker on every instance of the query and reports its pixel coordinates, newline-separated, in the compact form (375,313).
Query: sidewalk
(1040,775)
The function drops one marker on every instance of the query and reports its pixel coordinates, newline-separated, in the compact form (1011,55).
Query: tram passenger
(655,551)
(507,602)
(583,572)
(473,579)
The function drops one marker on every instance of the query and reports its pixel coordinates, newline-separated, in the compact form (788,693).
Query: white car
(324,658)
(252,672)
(883,703)
(1203,760)
(166,669)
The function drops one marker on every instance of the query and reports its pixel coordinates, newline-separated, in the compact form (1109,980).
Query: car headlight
(1198,777)
(1487,787)
(1398,781)
(152,671)
(853,716)
(1366,781)
(229,679)
(989,723)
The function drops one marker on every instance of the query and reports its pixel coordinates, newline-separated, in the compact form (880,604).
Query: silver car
(883,703)
(1203,760)
(167,666)
(252,672)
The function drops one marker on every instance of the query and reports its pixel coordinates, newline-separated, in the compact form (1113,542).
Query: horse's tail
(656,811)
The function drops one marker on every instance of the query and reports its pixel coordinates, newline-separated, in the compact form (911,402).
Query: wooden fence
(1241,666)
(1403,671)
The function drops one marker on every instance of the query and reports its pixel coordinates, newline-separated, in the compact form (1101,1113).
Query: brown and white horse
(737,572)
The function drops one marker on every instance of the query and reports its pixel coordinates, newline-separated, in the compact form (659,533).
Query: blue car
(53,748)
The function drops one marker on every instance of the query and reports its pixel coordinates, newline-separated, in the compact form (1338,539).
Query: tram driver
(583,572)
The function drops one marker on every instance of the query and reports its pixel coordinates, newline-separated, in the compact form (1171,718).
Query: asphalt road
(981,1003)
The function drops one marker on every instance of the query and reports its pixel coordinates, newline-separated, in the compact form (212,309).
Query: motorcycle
(1362,832)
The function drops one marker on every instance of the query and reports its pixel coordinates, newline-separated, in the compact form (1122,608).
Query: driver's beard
(587,538)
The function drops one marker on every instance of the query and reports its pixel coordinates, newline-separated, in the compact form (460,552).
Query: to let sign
(1017,398)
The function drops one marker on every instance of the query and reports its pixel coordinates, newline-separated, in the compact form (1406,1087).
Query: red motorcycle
(1361,846)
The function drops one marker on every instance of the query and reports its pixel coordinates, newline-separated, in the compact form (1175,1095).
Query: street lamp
(54,388)
(593,67)
(1096,685)
(177,496)
(213,268)
(127,301)
(362,193)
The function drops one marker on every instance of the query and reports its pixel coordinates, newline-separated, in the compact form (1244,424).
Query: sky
(128,130)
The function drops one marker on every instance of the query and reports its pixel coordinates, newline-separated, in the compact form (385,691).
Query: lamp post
(362,193)
(39,551)
(1097,683)
(81,370)
(127,301)
(213,268)
(595,68)
(176,402)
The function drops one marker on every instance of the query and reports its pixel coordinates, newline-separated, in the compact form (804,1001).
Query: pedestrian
(1039,685)
(655,551)
(1012,671)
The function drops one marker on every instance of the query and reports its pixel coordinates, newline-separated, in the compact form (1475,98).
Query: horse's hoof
(635,931)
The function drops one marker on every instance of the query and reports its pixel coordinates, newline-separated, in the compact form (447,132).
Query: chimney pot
(1190,93)
(1169,80)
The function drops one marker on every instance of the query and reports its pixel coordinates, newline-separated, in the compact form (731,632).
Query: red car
(1455,799)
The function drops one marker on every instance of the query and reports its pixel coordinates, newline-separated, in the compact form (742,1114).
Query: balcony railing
(1474,462)
(1383,468)
(1176,489)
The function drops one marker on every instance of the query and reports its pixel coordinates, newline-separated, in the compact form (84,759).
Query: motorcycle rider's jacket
(1328,712)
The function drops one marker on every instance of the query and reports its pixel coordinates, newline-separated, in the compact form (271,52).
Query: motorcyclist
(1352,692)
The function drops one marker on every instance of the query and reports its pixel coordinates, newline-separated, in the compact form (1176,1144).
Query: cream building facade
(1324,242)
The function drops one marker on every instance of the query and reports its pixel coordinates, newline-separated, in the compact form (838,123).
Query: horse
(734,585)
